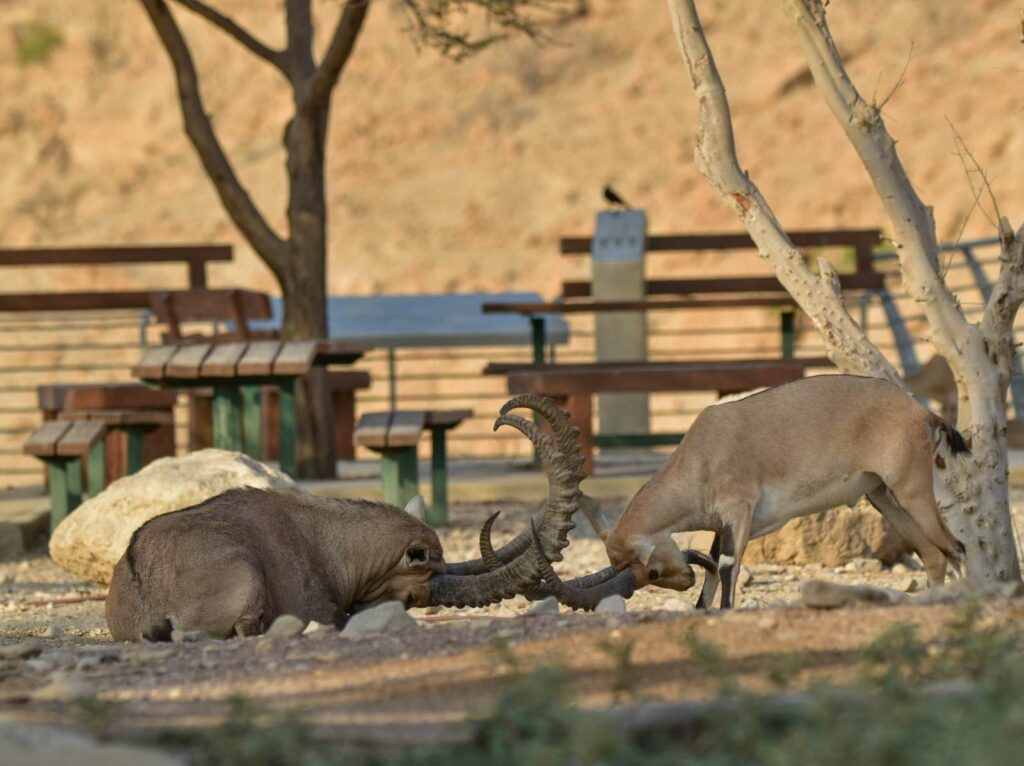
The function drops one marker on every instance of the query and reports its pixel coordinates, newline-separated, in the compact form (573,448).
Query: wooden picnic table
(237,371)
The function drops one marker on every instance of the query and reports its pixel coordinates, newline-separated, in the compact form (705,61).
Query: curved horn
(572,594)
(487,554)
(460,586)
(691,556)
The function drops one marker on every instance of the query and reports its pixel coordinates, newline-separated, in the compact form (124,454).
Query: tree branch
(200,131)
(350,24)
(221,21)
(715,154)
(1006,299)
(912,221)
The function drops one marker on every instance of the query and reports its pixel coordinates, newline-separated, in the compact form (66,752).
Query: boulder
(832,538)
(388,617)
(89,542)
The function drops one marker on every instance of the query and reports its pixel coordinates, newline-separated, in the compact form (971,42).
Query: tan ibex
(747,467)
(233,563)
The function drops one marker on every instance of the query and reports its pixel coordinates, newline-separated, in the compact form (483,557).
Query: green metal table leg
(74,483)
(60,496)
(97,468)
(437,513)
(286,440)
(136,435)
(227,418)
(399,474)
(539,332)
(788,334)
(252,421)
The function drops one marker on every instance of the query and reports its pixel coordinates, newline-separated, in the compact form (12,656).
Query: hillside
(446,176)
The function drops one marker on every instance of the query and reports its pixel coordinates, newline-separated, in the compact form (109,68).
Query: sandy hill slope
(447,176)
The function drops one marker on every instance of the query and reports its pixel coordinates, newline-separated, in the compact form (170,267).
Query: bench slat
(122,417)
(187,361)
(80,438)
(103,396)
(348,380)
(222,361)
(405,428)
(43,441)
(259,358)
(295,358)
(153,362)
(372,430)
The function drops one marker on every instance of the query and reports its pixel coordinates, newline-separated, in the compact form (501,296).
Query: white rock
(614,604)
(387,617)
(899,568)
(313,627)
(548,605)
(870,566)
(89,542)
(677,605)
(286,626)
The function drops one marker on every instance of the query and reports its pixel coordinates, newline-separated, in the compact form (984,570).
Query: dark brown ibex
(233,563)
(747,467)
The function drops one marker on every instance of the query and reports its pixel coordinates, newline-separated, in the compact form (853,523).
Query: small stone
(64,688)
(387,617)
(313,627)
(22,651)
(151,655)
(913,586)
(179,636)
(677,605)
(614,604)
(52,631)
(865,565)
(820,594)
(899,568)
(548,605)
(286,626)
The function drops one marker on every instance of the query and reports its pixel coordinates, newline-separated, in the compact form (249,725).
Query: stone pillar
(617,252)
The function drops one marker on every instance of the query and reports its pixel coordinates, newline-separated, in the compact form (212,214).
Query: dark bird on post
(612,196)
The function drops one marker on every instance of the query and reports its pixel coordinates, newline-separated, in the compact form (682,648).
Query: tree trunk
(303,290)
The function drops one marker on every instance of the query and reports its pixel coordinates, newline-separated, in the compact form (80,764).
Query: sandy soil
(432,680)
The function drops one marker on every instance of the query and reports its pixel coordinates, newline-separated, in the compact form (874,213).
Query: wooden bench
(574,385)
(235,308)
(69,449)
(64,401)
(134,424)
(237,372)
(395,436)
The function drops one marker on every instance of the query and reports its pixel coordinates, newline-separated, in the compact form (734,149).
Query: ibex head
(657,561)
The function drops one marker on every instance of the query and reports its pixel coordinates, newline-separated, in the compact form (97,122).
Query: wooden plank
(80,301)
(154,362)
(43,441)
(259,358)
(334,351)
(372,430)
(222,361)
(295,358)
(187,361)
(733,241)
(80,438)
(122,418)
(870,280)
(405,428)
(100,396)
(348,380)
(446,418)
(584,307)
(210,305)
(69,256)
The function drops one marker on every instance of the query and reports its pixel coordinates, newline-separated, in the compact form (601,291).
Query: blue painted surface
(451,319)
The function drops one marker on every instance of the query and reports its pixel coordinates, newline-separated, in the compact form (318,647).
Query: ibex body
(747,467)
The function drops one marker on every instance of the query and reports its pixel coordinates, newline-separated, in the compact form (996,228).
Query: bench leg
(97,469)
(344,424)
(286,435)
(252,421)
(399,474)
(65,488)
(136,438)
(227,417)
(437,513)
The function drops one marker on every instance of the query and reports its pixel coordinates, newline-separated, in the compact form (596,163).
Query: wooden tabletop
(203,362)
(642,305)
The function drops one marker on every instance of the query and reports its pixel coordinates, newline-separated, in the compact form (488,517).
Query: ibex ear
(417,508)
(644,549)
(416,556)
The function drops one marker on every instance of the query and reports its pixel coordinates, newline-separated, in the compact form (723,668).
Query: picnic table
(237,371)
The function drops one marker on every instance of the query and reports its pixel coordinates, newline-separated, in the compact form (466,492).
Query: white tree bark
(980,355)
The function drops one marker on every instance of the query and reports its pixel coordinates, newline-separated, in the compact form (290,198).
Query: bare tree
(979,354)
(298,259)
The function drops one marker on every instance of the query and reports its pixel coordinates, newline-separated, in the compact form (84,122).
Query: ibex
(233,563)
(747,467)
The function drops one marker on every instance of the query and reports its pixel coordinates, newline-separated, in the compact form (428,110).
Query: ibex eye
(653,575)
(417,555)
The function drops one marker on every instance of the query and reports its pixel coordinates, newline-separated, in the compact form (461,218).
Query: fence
(36,349)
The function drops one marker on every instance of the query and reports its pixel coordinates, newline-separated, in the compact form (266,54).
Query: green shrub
(36,40)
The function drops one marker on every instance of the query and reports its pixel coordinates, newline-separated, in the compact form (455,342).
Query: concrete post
(617,253)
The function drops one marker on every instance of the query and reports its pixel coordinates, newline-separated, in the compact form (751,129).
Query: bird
(612,196)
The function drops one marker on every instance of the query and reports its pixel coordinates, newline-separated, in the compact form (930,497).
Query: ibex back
(747,467)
